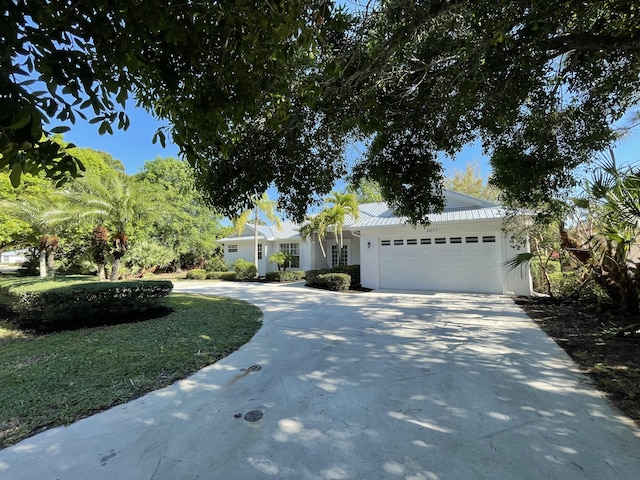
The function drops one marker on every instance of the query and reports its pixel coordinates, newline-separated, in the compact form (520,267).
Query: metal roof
(458,208)
(268,232)
(379,215)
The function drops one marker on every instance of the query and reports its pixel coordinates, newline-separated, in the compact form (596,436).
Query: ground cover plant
(56,379)
(604,343)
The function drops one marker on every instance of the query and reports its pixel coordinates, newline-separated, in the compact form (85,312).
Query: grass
(56,379)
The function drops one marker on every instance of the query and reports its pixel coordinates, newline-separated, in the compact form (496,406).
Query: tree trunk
(120,246)
(43,263)
(115,268)
(51,266)
(101,273)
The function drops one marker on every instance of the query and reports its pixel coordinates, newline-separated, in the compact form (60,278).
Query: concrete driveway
(356,386)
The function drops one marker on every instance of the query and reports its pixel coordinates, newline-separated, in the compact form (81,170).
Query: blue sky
(134,146)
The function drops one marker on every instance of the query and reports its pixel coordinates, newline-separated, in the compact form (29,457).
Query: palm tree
(113,202)
(344,204)
(614,197)
(318,225)
(335,217)
(262,206)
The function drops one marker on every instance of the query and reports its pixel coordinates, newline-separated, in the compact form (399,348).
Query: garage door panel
(463,267)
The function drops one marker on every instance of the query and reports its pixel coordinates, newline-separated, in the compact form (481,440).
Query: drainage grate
(253,416)
(254,368)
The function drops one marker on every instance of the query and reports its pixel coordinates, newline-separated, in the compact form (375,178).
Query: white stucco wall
(518,281)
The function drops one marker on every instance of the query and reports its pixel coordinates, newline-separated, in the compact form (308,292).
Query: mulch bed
(598,342)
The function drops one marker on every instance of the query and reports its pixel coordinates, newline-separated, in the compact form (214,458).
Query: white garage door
(456,263)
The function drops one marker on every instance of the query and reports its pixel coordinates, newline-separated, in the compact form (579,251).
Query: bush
(196,274)
(312,277)
(216,265)
(245,270)
(290,276)
(231,276)
(352,270)
(569,284)
(65,304)
(336,282)
(147,256)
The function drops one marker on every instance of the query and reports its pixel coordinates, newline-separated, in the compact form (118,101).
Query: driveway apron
(379,385)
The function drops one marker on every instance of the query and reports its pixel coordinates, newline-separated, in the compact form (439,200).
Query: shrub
(68,304)
(336,282)
(312,277)
(148,255)
(290,276)
(245,270)
(216,264)
(196,274)
(231,276)
(352,270)
(569,284)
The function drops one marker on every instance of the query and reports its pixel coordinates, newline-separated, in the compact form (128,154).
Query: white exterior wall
(306,255)
(245,250)
(518,281)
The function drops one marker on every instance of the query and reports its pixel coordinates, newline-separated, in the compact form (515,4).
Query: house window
(259,251)
(425,241)
(455,240)
(293,250)
(471,239)
(398,242)
(232,249)
(344,253)
(440,241)
(412,241)
(489,239)
(386,243)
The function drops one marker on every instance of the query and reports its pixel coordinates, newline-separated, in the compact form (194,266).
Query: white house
(462,250)
(14,256)
(270,240)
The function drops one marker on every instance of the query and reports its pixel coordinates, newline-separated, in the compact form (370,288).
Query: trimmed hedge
(196,274)
(336,282)
(230,276)
(352,270)
(286,276)
(312,277)
(47,306)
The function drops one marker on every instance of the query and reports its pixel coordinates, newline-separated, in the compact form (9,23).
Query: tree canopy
(204,66)
(259,94)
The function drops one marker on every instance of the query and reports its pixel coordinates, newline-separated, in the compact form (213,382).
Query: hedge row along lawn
(56,379)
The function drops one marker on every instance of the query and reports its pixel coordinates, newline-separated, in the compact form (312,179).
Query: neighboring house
(14,256)
(462,250)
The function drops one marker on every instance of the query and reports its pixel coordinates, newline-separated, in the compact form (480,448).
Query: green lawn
(51,380)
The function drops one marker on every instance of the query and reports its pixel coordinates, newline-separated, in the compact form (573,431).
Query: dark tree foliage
(266,93)
(204,66)
(539,82)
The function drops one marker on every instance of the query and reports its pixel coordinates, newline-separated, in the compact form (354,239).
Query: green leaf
(21,120)
(60,129)
(16,173)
